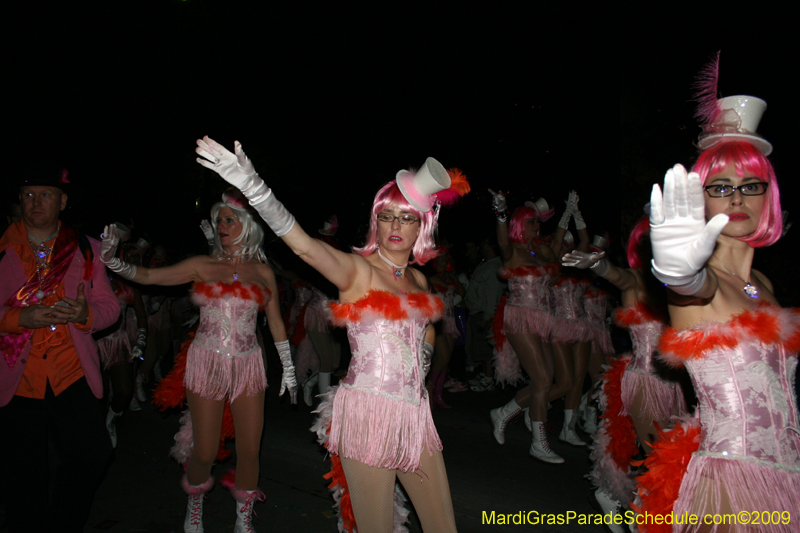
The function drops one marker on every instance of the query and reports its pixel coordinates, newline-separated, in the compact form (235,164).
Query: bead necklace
(43,254)
(398,269)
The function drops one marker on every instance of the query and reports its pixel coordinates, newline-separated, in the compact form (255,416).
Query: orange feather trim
(620,429)
(639,313)
(336,475)
(497,325)
(388,305)
(218,289)
(550,269)
(766,324)
(666,465)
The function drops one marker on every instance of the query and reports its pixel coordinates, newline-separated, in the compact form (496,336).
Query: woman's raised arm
(338,267)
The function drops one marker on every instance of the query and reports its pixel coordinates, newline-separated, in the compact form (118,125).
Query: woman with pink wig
(381,428)
(727,329)
(225,361)
(528,265)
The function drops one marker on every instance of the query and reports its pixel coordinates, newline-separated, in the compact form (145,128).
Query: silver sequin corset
(386,357)
(568,300)
(645,338)
(747,402)
(530,291)
(227,326)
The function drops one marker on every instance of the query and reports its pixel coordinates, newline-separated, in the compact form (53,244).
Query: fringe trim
(216,377)
(662,399)
(525,320)
(381,432)
(767,324)
(203,292)
(666,465)
(114,348)
(387,305)
(568,330)
(639,313)
(615,439)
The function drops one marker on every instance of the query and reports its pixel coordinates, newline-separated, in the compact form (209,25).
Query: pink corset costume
(571,323)
(646,381)
(115,347)
(595,303)
(529,309)
(225,359)
(381,415)
(749,452)
(447,294)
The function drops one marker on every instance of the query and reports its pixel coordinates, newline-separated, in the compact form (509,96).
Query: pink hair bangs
(638,255)
(516,228)
(424,248)
(748,161)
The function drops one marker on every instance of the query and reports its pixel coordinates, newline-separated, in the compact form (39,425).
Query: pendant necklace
(749,289)
(235,266)
(398,269)
(43,254)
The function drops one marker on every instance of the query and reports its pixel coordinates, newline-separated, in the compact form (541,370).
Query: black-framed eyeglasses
(755,188)
(404,219)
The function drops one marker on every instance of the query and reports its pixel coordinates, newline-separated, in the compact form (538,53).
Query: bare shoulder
(419,278)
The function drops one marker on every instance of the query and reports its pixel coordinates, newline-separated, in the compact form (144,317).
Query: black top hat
(47,177)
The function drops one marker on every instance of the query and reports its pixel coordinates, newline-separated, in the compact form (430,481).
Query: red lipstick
(738,216)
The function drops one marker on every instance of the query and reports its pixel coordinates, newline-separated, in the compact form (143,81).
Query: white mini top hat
(330,226)
(568,237)
(543,208)
(599,242)
(737,120)
(418,188)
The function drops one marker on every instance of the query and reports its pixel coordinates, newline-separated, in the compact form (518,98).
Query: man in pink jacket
(54,294)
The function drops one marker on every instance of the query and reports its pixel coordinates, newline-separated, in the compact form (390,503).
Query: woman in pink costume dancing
(224,360)
(739,347)
(381,427)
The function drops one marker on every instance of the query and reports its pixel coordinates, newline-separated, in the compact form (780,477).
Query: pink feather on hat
(706,85)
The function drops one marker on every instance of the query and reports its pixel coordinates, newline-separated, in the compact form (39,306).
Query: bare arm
(177,274)
(273,309)
(506,251)
(338,267)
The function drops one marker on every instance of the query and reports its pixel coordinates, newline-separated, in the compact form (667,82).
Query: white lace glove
(236,169)
(427,356)
(564,222)
(572,205)
(288,379)
(208,231)
(682,240)
(141,342)
(108,247)
(584,260)
(499,206)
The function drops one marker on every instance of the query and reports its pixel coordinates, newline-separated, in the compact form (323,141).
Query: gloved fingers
(681,191)
(703,247)
(656,206)
(697,201)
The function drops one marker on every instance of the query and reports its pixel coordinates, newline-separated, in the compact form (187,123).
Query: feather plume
(459,186)
(706,91)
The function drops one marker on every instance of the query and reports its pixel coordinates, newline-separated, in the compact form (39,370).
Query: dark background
(329,102)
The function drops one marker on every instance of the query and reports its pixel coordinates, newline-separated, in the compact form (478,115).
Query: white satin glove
(237,170)
(141,343)
(500,206)
(682,240)
(208,231)
(108,248)
(288,379)
(582,260)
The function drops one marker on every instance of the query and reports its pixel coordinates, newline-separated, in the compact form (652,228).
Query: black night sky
(329,102)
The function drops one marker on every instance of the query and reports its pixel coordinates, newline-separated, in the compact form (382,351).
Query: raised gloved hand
(682,240)
(141,343)
(427,356)
(288,379)
(499,206)
(208,231)
(572,206)
(108,247)
(583,260)
(237,170)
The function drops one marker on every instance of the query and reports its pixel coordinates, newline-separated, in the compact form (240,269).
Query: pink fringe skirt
(216,377)
(603,339)
(658,399)
(518,320)
(379,431)
(571,330)
(715,484)
(114,348)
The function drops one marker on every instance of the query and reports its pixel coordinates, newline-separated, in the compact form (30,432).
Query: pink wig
(424,248)
(748,161)
(639,253)
(516,228)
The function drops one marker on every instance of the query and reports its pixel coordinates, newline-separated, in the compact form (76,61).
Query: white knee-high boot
(568,433)
(540,448)
(193,523)
(500,418)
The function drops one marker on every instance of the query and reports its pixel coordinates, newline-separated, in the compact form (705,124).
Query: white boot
(308,389)
(568,433)
(590,419)
(193,523)
(609,506)
(138,391)
(500,418)
(111,425)
(245,499)
(324,382)
(540,448)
